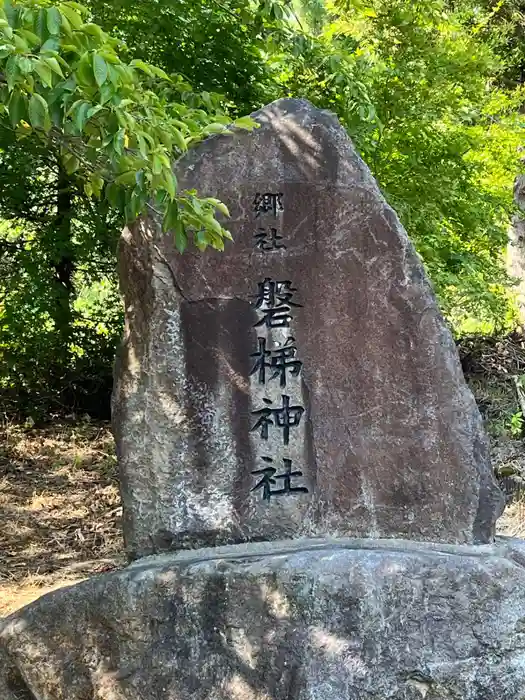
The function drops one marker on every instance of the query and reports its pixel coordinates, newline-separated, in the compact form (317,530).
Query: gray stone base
(306,620)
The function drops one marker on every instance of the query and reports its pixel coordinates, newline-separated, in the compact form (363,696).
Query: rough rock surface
(383,439)
(317,620)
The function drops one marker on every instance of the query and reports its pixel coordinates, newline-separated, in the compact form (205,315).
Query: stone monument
(297,389)
(302,383)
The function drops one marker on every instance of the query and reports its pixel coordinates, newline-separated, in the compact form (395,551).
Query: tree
(100,134)
(117,125)
(53,249)
(422,86)
(217,45)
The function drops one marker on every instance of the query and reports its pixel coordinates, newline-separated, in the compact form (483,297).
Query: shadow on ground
(59,508)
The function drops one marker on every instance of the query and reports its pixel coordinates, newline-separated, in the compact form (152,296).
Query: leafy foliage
(118,125)
(426,89)
(55,353)
(217,46)
(416,85)
(430,91)
(87,140)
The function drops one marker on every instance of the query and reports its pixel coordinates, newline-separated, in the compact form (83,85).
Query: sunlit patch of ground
(512,522)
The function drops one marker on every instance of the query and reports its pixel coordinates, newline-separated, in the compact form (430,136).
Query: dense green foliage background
(430,91)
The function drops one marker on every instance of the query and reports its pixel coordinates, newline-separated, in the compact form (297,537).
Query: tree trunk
(64,262)
(516,246)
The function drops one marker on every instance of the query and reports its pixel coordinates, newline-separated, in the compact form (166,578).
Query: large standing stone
(303,382)
(325,620)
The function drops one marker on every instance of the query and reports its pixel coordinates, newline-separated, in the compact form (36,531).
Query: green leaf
(78,7)
(157,164)
(112,195)
(217,242)
(94,110)
(100,69)
(94,30)
(107,91)
(202,240)
(56,112)
(160,73)
(181,239)
(135,205)
(52,62)
(41,25)
(222,208)
(74,107)
(171,217)
(39,113)
(26,15)
(70,48)
(196,205)
(97,183)
(31,38)
(126,74)
(170,182)
(110,57)
(44,72)
(246,123)
(85,71)
(212,224)
(127,178)
(114,75)
(141,143)
(51,44)
(25,65)
(72,16)
(10,12)
(179,140)
(160,197)
(107,140)
(17,107)
(68,85)
(7,32)
(144,67)
(82,115)
(71,163)
(118,141)
(12,72)
(53,20)
(147,138)
(21,45)
(214,128)
(139,179)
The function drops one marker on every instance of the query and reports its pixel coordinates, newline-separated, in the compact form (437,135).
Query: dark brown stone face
(303,382)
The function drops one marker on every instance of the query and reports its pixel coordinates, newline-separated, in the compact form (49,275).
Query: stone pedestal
(314,620)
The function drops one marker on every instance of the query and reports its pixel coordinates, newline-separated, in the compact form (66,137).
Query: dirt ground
(59,509)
